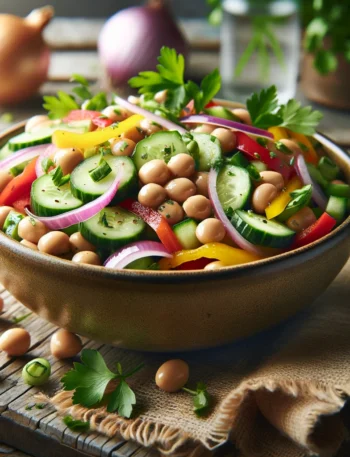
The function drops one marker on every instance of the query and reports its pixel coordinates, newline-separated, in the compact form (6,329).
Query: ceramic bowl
(168,311)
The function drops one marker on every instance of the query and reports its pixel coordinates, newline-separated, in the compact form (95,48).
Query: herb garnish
(265,112)
(46,164)
(76,425)
(57,177)
(201,399)
(104,221)
(17,320)
(90,378)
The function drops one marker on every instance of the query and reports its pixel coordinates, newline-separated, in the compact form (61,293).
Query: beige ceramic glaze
(167,311)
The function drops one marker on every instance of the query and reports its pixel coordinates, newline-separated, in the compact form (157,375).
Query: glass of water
(260,46)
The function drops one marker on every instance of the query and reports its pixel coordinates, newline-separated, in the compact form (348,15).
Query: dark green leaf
(75,78)
(315,34)
(76,425)
(209,87)
(122,400)
(261,107)
(325,61)
(82,92)
(299,119)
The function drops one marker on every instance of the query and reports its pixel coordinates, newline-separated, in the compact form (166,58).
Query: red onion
(153,117)
(304,175)
(135,251)
(22,156)
(220,214)
(212,120)
(84,212)
(48,152)
(130,40)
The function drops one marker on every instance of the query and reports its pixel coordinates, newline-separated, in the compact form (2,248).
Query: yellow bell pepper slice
(64,139)
(309,151)
(279,133)
(219,251)
(279,204)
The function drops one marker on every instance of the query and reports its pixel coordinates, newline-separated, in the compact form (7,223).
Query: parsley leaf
(201,399)
(209,87)
(171,65)
(58,107)
(76,425)
(90,378)
(299,119)
(261,107)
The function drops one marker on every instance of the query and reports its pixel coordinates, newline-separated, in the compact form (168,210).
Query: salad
(170,179)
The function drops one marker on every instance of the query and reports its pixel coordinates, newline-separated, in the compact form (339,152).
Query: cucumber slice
(234,187)
(46,199)
(339,190)
(337,208)
(259,230)
(112,228)
(160,145)
(209,150)
(222,112)
(86,189)
(11,224)
(140,264)
(185,232)
(25,140)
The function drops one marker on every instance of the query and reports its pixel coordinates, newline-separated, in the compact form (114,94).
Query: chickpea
(301,220)
(15,341)
(180,189)
(210,231)
(88,257)
(116,113)
(182,165)
(68,159)
(272,177)
(29,245)
(1,304)
(5,178)
(198,207)
(172,375)
(31,230)
(217,265)
(152,195)
(161,96)
(243,115)
(135,134)
(4,211)
(122,147)
(54,243)
(35,121)
(149,126)
(204,128)
(263,196)
(78,243)
(227,139)
(154,171)
(201,181)
(292,147)
(65,344)
(171,211)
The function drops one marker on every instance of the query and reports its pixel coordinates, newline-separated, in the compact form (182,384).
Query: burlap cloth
(278,394)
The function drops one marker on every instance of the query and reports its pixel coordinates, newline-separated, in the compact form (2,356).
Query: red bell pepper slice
(198,264)
(102,122)
(157,222)
(81,115)
(320,228)
(21,204)
(254,151)
(20,186)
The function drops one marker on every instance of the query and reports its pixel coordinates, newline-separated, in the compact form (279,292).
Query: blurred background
(302,46)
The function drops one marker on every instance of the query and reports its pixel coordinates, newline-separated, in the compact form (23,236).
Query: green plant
(327,32)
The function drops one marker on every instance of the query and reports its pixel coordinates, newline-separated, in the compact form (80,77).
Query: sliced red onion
(48,152)
(220,214)
(21,156)
(303,173)
(135,251)
(83,213)
(153,117)
(212,120)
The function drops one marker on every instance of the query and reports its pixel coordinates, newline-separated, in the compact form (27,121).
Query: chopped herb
(167,150)
(170,202)
(40,405)
(139,129)
(17,320)
(117,111)
(291,162)
(261,141)
(29,407)
(46,164)
(229,212)
(230,173)
(90,378)
(144,156)
(283,148)
(156,124)
(201,399)
(168,216)
(124,146)
(76,425)
(32,221)
(303,147)
(257,155)
(103,220)
(273,155)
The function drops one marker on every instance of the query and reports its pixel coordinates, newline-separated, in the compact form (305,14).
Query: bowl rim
(152,276)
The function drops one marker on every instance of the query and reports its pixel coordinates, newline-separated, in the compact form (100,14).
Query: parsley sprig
(76,425)
(170,76)
(201,399)
(89,381)
(265,112)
